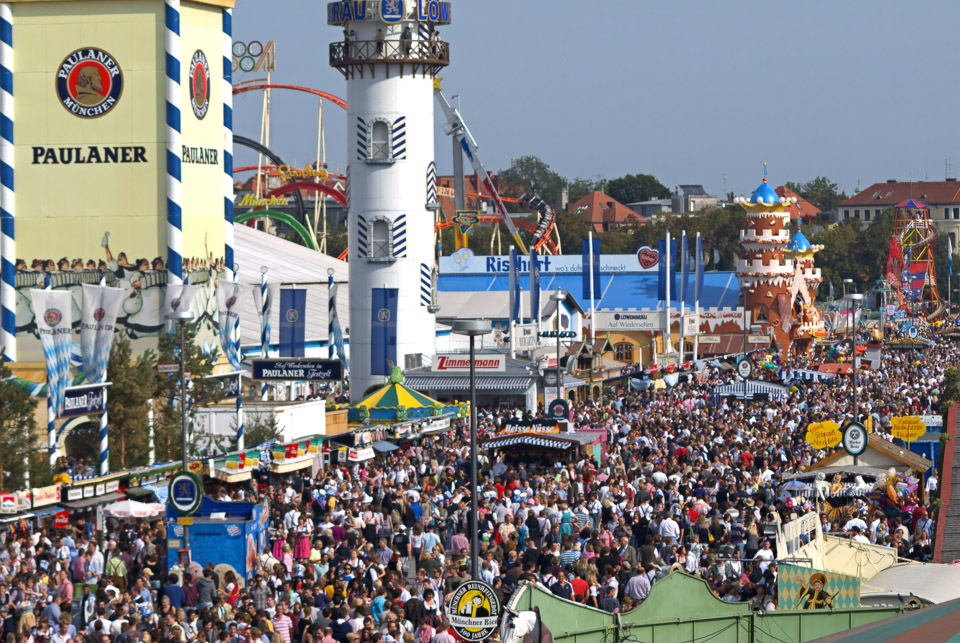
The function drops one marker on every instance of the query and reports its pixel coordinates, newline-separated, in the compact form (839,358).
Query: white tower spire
(390,54)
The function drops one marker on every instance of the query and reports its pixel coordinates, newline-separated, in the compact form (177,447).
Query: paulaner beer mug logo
(89,82)
(199,84)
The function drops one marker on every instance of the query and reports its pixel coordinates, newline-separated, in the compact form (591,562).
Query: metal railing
(351,52)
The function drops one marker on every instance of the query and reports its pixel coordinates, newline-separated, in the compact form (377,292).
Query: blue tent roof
(621,290)
(799,243)
(765,194)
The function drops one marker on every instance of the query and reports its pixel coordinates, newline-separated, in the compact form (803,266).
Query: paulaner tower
(390,54)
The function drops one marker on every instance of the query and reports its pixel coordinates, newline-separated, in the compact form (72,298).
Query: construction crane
(456,127)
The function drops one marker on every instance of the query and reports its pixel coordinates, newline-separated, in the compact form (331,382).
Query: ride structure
(778,279)
(389,55)
(910,267)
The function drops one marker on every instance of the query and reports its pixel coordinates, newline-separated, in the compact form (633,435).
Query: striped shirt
(569,557)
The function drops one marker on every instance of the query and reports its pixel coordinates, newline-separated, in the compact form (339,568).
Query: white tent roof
(289,264)
(931,582)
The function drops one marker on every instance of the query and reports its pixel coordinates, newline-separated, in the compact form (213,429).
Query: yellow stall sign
(908,428)
(824,435)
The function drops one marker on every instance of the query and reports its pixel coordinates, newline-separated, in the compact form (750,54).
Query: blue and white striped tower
(228,142)
(174,187)
(8,293)
(264,324)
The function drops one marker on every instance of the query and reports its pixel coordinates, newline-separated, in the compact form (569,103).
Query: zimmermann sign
(298,370)
(461,364)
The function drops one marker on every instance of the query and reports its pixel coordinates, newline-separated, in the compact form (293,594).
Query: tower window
(380,246)
(380,141)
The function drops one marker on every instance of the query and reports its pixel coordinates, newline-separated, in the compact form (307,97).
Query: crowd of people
(370,551)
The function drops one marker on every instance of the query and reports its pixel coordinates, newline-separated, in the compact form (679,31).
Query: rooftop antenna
(947,168)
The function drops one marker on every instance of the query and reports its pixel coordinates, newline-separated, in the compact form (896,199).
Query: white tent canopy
(133,509)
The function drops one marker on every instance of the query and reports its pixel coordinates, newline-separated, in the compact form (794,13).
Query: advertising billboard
(90,157)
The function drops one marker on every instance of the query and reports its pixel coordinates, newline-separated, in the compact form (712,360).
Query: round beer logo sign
(474,611)
(52,317)
(199,84)
(292,315)
(99,313)
(89,82)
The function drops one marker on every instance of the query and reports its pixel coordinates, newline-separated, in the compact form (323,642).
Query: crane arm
(457,128)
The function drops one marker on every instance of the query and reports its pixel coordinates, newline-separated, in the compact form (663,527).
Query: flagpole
(668,334)
(264,323)
(696,301)
(684,254)
(512,300)
(592,294)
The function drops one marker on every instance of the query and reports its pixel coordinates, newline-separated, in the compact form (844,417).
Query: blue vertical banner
(684,290)
(293,310)
(588,269)
(514,285)
(383,330)
(534,286)
(668,270)
(698,279)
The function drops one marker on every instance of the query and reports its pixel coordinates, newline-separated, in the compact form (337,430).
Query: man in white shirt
(858,536)
(670,531)
(765,556)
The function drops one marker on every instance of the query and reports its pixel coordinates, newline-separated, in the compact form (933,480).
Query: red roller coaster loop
(336,100)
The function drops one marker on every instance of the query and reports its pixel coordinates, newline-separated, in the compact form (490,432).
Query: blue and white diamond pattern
(431,182)
(362,243)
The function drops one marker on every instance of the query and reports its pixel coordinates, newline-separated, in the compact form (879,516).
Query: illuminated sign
(89,82)
(251,201)
(433,11)
(199,84)
(293,173)
(89,154)
(200,155)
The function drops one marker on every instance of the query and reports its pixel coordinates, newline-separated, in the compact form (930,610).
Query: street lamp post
(846,282)
(559,297)
(854,299)
(473,328)
(181,318)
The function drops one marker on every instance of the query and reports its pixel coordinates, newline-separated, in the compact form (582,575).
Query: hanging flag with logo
(53,312)
(383,330)
(514,285)
(698,279)
(681,296)
(293,310)
(589,269)
(831,290)
(716,258)
(178,298)
(534,285)
(230,297)
(949,256)
(336,331)
(667,270)
(263,297)
(98,316)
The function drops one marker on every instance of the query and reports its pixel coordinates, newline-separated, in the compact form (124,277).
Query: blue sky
(692,91)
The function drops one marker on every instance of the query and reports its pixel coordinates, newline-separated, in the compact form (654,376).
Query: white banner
(629,320)
(691,325)
(360,455)
(98,316)
(178,298)
(526,336)
(53,312)
(461,363)
(230,296)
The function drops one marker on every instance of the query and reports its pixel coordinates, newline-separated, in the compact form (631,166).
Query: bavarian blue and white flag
(230,297)
(98,316)
(178,298)
(336,331)
(53,312)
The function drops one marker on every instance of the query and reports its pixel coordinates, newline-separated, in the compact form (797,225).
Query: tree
(636,187)
(261,427)
(209,391)
(579,188)
(18,432)
(532,172)
(821,192)
(133,385)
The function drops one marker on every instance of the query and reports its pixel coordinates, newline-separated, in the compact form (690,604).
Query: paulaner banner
(178,298)
(98,316)
(52,309)
(230,296)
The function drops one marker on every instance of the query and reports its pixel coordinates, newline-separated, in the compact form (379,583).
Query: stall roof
(384,446)
(92,502)
(875,442)
(546,440)
(440,382)
(931,582)
(829,471)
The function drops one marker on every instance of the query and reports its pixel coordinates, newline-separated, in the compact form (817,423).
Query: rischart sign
(540,425)
(461,364)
